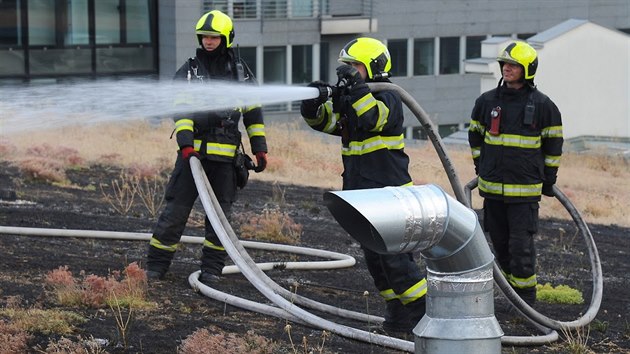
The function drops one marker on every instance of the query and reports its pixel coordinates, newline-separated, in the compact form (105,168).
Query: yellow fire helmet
(523,54)
(369,51)
(215,23)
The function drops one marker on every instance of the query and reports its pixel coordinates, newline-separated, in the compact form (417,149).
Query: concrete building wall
(448,99)
(586,72)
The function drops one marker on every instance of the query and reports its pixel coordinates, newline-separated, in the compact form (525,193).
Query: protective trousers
(396,276)
(180,196)
(512,227)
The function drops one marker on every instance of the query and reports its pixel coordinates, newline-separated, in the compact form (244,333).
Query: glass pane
(248,54)
(324,64)
(274,8)
(473,46)
(41,22)
(137,21)
(302,8)
(423,54)
(244,9)
(302,64)
(221,5)
(60,61)
(12,62)
(10,25)
(398,50)
(107,21)
(78,30)
(449,55)
(275,63)
(119,60)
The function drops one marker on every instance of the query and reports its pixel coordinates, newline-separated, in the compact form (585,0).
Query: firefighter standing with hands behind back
(515,136)
(214,138)
(371,130)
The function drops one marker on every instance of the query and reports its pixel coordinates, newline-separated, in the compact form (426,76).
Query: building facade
(284,41)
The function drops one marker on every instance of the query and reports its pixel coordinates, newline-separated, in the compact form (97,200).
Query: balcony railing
(282,9)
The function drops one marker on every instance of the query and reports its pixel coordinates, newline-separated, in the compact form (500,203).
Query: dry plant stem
(123,193)
(150,191)
(577,340)
(122,323)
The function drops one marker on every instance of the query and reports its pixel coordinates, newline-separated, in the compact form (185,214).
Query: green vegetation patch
(561,294)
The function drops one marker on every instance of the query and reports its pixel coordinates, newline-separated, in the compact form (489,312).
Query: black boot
(401,319)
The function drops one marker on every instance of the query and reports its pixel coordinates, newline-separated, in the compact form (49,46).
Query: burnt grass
(25,260)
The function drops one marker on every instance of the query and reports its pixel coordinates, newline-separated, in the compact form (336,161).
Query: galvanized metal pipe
(460,299)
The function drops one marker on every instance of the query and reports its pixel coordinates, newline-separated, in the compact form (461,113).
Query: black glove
(348,75)
(324,90)
(547,190)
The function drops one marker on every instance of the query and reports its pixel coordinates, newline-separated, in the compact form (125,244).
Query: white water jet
(23,108)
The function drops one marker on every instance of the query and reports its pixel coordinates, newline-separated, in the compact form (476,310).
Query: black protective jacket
(215,134)
(371,127)
(518,150)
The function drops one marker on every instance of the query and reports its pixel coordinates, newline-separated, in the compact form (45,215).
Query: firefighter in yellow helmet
(515,136)
(214,138)
(370,125)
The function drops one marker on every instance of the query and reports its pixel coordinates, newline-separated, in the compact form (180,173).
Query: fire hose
(547,325)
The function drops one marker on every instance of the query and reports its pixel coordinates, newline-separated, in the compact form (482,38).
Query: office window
(10,24)
(301,8)
(449,55)
(41,22)
(324,61)
(274,9)
(275,65)
(77,27)
(398,51)
(423,54)
(107,22)
(302,64)
(248,54)
(138,26)
(244,9)
(473,46)
(221,5)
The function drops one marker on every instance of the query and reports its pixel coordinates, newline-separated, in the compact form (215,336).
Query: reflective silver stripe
(475,126)
(476,152)
(383,115)
(552,132)
(528,142)
(256,130)
(374,143)
(228,150)
(364,104)
(389,295)
(415,292)
(184,124)
(552,161)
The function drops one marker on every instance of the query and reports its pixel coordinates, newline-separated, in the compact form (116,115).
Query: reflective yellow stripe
(197,145)
(256,130)
(383,114)
(407,184)
(184,124)
(157,244)
(510,190)
(374,143)
(363,104)
(552,132)
(552,161)
(228,150)
(522,141)
(522,283)
(209,244)
(415,292)
(475,126)
(389,295)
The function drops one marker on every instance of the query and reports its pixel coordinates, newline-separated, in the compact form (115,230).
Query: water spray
(25,108)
